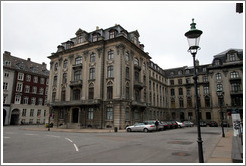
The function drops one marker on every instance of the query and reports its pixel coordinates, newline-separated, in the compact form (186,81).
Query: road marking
(31,134)
(76,148)
(53,136)
(6,137)
(69,139)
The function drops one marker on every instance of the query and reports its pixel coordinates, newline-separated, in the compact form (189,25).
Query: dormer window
(80,39)
(111,34)
(135,40)
(217,62)
(95,37)
(232,57)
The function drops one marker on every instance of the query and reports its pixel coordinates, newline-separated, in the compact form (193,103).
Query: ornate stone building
(105,79)
(25,88)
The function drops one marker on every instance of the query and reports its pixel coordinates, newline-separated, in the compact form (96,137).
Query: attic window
(80,40)
(232,57)
(135,40)
(217,62)
(95,37)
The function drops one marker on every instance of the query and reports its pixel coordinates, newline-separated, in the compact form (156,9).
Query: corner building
(105,79)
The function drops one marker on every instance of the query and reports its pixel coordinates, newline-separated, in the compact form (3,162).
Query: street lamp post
(193,36)
(220,97)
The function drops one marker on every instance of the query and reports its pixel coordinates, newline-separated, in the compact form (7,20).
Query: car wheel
(129,130)
(145,130)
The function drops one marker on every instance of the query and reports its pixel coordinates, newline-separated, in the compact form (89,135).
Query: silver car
(180,124)
(145,127)
(188,124)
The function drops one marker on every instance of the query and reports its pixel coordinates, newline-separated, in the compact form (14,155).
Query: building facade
(105,79)
(25,89)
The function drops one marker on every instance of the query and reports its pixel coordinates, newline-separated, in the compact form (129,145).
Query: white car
(180,124)
(145,127)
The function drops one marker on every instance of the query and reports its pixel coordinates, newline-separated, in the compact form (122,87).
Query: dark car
(203,124)
(170,124)
(213,124)
(175,124)
(166,126)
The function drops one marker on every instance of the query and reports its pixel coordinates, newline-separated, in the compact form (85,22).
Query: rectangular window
(110,92)
(55,81)
(110,71)
(110,54)
(25,100)
(27,89)
(90,113)
(35,79)
(28,78)
(20,76)
(40,101)
(91,92)
(109,113)
(5,98)
(77,75)
(42,80)
(34,90)
(78,61)
(206,90)
(24,112)
(19,87)
(6,74)
(92,73)
(31,112)
(5,86)
(39,113)
(17,99)
(33,100)
(53,96)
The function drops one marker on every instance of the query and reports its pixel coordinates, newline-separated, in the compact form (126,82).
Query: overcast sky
(35,29)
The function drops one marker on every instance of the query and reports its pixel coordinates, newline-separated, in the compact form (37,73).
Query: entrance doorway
(75,115)
(15,117)
(182,116)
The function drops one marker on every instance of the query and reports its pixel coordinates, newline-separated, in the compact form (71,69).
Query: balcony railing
(75,102)
(138,85)
(76,83)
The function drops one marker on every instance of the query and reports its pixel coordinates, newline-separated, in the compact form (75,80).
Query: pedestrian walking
(156,124)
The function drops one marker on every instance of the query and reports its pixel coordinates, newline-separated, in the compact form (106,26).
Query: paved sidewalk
(223,149)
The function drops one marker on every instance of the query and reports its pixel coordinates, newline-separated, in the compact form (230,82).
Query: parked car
(170,124)
(203,124)
(180,124)
(188,124)
(166,126)
(160,126)
(213,124)
(175,124)
(145,127)
(225,124)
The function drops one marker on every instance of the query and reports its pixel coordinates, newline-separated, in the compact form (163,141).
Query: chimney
(7,53)
(28,59)
(44,64)
(97,27)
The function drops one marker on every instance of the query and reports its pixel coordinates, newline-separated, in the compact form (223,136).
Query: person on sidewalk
(156,124)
